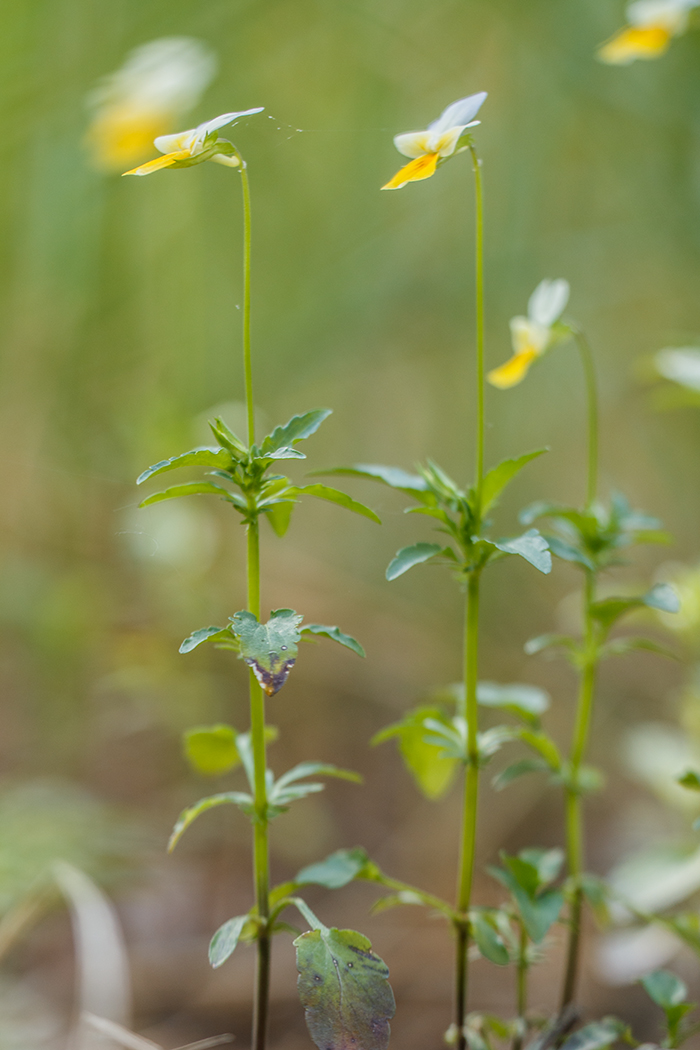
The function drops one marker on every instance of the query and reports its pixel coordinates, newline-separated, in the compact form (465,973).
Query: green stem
(574,808)
(247,369)
(521,989)
(479,289)
(592,399)
(471,799)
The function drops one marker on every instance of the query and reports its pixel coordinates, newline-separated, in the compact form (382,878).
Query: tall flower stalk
(589,537)
(270,650)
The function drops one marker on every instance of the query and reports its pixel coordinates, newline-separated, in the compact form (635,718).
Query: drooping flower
(158,83)
(534,334)
(440,141)
(652,26)
(196,145)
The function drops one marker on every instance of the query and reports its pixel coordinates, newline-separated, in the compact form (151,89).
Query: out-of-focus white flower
(196,145)
(532,335)
(437,143)
(681,365)
(626,955)
(652,26)
(158,83)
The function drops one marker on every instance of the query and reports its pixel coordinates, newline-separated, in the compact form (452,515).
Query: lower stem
(261,851)
(521,990)
(574,807)
(471,799)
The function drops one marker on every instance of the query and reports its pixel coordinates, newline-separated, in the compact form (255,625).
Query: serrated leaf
(431,770)
(335,871)
(270,649)
(283,452)
(202,457)
(297,429)
(344,989)
(335,635)
(211,750)
(189,815)
(340,498)
(190,488)
(407,557)
(531,546)
(204,634)
(495,480)
(394,477)
(225,940)
(487,939)
(665,988)
(279,515)
(595,1036)
(227,438)
(519,769)
(526,701)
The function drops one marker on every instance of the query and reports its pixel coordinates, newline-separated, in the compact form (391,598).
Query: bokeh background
(121,336)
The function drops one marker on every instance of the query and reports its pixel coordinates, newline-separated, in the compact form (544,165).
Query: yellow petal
(160,162)
(635,42)
(420,168)
(512,371)
(122,134)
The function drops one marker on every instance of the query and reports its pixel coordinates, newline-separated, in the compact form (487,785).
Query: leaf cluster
(250,488)
(460,514)
(671,994)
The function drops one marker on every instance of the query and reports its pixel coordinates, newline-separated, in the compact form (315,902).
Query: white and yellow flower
(652,26)
(158,83)
(196,145)
(437,143)
(532,335)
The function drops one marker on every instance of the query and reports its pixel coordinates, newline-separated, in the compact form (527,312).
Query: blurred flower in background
(532,335)
(158,83)
(652,26)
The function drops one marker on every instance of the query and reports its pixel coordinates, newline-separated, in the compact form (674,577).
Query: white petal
(446,143)
(459,113)
(180,140)
(681,365)
(413,143)
(229,162)
(168,75)
(547,302)
(220,122)
(671,14)
(526,334)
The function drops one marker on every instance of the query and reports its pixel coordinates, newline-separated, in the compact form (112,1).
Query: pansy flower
(438,142)
(186,148)
(148,96)
(652,25)
(534,334)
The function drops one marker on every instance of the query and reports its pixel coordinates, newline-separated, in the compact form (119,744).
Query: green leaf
(608,610)
(623,646)
(664,988)
(690,779)
(519,769)
(526,701)
(205,634)
(297,429)
(224,941)
(336,496)
(538,910)
(335,635)
(547,863)
(544,745)
(190,488)
(567,552)
(663,597)
(344,990)
(407,557)
(270,649)
(548,641)
(394,477)
(227,438)
(495,480)
(335,871)
(432,772)
(211,749)
(189,815)
(531,546)
(488,940)
(595,1036)
(279,515)
(597,894)
(283,452)
(204,457)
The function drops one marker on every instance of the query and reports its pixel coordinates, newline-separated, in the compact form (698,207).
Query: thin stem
(574,808)
(247,369)
(471,799)
(479,289)
(592,399)
(521,988)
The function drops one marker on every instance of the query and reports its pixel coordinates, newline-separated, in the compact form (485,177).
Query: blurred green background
(121,335)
